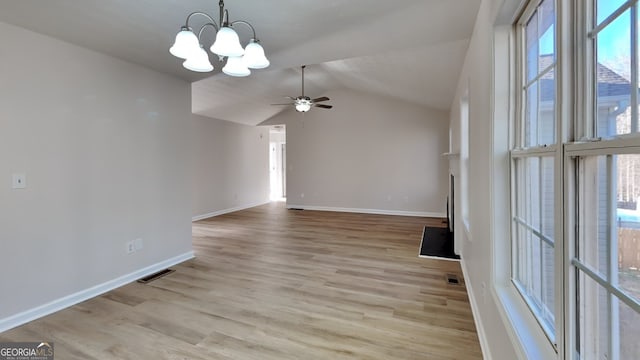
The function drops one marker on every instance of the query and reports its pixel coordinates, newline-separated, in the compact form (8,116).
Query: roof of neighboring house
(610,83)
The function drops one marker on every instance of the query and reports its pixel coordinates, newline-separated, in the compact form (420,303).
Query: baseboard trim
(227,211)
(482,337)
(368,211)
(83,295)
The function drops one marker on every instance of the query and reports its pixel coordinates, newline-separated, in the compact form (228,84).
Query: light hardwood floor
(270,283)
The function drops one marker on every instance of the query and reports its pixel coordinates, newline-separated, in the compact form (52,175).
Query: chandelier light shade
(226,46)
(186,44)
(198,62)
(236,67)
(227,43)
(254,56)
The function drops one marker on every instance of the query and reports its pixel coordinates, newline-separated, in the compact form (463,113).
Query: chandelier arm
(200,13)
(213,25)
(249,25)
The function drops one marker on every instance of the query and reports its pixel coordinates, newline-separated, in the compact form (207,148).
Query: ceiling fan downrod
(303,66)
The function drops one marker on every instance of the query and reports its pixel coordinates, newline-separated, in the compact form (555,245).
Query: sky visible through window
(613,43)
(546,41)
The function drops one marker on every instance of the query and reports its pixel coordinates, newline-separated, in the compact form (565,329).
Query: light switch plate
(19,181)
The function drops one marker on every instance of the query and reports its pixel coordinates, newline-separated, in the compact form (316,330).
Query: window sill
(524,331)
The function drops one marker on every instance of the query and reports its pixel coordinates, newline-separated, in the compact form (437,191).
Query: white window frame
(573,152)
(592,145)
(464,159)
(576,120)
(543,150)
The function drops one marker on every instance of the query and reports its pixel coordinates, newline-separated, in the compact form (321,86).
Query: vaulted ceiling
(407,49)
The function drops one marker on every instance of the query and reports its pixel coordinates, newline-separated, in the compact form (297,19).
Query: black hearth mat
(437,242)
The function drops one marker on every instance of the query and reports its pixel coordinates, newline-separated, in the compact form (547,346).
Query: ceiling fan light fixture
(236,67)
(186,44)
(198,62)
(303,105)
(227,43)
(254,56)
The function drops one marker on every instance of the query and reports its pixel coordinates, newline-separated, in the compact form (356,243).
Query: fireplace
(452,202)
(437,241)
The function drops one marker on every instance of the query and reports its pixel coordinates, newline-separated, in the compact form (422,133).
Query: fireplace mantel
(454,163)
(451,155)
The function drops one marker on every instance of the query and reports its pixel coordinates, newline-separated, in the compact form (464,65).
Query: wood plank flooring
(270,283)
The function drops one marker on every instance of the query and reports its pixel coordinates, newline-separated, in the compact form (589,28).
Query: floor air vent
(452,279)
(156,276)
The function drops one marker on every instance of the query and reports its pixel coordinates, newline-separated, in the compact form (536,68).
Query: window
(607,189)
(464,158)
(606,257)
(575,210)
(614,27)
(534,158)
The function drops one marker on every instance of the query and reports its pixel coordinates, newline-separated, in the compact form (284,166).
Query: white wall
(230,166)
(485,253)
(105,148)
(369,153)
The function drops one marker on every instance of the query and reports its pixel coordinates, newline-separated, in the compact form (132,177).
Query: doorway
(278,162)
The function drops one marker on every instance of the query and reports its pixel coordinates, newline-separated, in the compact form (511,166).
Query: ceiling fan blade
(283,104)
(320,99)
(322,106)
(289,97)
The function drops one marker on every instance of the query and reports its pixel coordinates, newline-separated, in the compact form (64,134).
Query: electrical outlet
(19,181)
(138,244)
(130,247)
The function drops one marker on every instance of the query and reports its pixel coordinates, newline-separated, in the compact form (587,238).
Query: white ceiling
(408,49)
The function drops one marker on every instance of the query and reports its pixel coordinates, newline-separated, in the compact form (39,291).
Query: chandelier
(188,46)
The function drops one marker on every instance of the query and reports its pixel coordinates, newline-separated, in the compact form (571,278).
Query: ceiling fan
(304,103)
